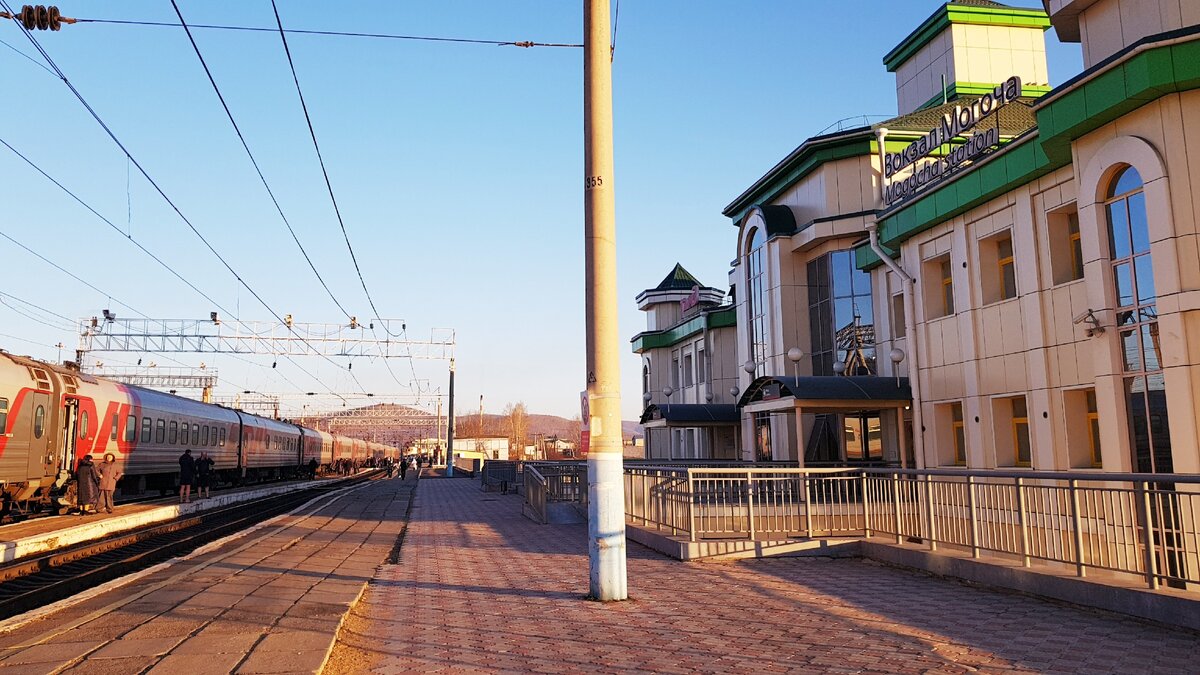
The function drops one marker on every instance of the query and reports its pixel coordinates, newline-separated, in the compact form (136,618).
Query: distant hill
(543,425)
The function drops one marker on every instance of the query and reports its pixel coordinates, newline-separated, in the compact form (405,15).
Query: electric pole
(606,491)
(450,427)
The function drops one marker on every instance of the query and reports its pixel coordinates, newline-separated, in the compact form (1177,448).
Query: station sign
(957,123)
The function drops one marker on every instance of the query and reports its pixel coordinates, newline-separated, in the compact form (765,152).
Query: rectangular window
(899,328)
(3,415)
(701,370)
(1066,248)
(160,431)
(1020,430)
(174,436)
(147,429)
(1006,268)
(938,280)
(675,372)
(689,377)
(1076,245)
(222,437)
(959,434)
(947,281)
(204,435)
(195,434)
(115,423)
(213,441)
(1093,419)
(131,424)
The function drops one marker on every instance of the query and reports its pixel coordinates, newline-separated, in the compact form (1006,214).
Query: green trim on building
(805,160)
(951,13)
(957,90)
(865,258)
(720,318)
(1142,79)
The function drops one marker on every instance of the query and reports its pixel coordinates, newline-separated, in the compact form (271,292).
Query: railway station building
(1005,275)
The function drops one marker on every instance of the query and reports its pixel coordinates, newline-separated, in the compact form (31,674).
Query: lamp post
(794,355)
(606,490)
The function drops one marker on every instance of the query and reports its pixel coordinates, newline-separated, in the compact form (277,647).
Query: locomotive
(51,416)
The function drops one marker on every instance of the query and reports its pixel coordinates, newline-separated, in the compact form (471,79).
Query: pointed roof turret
(678,279)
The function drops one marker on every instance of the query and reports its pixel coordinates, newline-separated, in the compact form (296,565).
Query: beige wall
(969,53)
(1107,26)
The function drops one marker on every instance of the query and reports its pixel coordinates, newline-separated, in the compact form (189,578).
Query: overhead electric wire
(96,116)
(329,187)
(321,159)
(32,60)
(334,33)
(108,222)
(257,168)
(67,272)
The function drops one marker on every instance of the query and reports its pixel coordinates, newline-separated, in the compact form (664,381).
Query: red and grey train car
(51,416)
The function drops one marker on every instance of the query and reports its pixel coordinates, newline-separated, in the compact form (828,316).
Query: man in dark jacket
(87,485)
(187,476)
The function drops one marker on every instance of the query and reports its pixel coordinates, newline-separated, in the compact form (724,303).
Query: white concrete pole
(450,427)
(606,492)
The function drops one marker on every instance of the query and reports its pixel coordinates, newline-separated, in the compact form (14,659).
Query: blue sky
(457,168)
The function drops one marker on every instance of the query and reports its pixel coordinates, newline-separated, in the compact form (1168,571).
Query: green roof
(679,279)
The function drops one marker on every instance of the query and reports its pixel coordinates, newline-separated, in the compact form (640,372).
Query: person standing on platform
(204,476)
(403,467)
(187,476)
(87,483)
(109,475)
(312,468)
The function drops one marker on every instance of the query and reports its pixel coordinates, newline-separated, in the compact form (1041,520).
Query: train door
(40,454)
(70,435)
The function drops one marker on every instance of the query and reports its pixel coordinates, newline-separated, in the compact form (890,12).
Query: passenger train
(51,416)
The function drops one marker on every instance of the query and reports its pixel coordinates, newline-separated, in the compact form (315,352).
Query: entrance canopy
(817,394)
(689,415)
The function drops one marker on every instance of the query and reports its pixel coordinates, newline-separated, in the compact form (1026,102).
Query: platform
(46,533)
(480,588)
(268,601)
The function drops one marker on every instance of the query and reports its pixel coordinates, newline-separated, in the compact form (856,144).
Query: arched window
(1137,321)
(756,299)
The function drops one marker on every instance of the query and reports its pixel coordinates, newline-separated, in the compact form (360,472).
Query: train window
(83,425)
(222,437)
(114,427)
(39,422)
(195,434)
(213,440)
(160,431)
(131,428)
(204,435)
(147,429)
(3,415)
(174,437)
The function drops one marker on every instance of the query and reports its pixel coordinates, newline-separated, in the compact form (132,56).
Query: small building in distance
(689,371)
(491,447)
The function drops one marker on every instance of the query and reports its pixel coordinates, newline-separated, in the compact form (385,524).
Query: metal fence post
(1149,559)
(866,506)
(750,502)
(896,505)
(1023,522)
(1077,531)
(808,520)
(930,519)
(691,499)
(973,505)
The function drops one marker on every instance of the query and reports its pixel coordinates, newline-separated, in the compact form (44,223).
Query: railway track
(35,581)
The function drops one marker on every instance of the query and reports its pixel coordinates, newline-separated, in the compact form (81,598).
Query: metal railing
(547,482)
(1140,524)
(500,473)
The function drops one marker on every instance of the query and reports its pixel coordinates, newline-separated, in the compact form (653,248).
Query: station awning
(827,393)
(690,415)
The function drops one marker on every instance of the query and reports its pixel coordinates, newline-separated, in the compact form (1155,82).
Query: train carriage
(270,448)
(316,445)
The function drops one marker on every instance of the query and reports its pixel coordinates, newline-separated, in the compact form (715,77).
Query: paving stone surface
(480,588)
(270,602)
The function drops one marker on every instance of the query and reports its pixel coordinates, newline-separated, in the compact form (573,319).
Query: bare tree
(518,427)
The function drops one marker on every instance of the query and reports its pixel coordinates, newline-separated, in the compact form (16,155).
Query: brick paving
(481,588)
(271,602)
